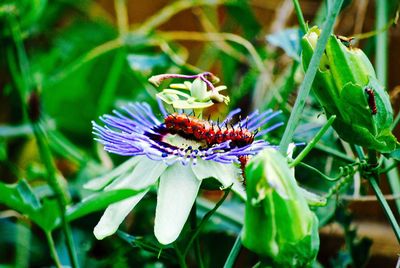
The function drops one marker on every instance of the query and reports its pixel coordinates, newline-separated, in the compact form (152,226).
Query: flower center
(203,131)
(181,142)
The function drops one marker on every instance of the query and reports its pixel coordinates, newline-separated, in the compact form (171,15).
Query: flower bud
(278,222)
(346,86)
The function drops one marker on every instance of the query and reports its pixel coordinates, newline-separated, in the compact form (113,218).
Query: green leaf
(98,201)
(26,194)
(21,198)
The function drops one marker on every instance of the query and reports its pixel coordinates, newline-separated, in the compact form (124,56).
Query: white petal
(240,190)
(176,195)
(114,215)
(145,173)
(102,181)
(226,174)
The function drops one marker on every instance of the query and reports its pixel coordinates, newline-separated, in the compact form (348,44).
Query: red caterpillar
(199,129)
(371,100)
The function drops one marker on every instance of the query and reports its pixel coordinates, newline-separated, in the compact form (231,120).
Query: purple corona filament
(135,130)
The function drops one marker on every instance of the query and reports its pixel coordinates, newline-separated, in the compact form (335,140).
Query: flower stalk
(305,86)
(32,113)
(59,193)
(373,177)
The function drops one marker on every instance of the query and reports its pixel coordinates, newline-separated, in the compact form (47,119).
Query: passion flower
(179,151)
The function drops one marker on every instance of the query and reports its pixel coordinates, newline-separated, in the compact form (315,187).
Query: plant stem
(373,178)
(381,48)
(181,257)
(46,157)
(53,251)
(169,11)
(42,143)
(204,221)
(23,244)
(313,169)
(389,168)
(122,16)
(305,87)
(360,152)
(313,142)
(193,224)
(300,17)
(381,63)
(396,121)
(230,261)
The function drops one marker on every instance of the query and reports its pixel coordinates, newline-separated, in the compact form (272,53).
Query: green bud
(278,225)
(343,85)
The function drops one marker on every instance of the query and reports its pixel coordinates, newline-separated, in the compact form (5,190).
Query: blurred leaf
(28,12)
(98,202)
(21,198)
(288,40)
(27,195)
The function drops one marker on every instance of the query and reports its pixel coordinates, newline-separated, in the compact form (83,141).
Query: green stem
(53,251)
(381,64)
(381,48)
(44,150)
(389,168)
(122,16)
(23,244)
(360,152)
(300,17)
(193,224)
(396,121)
(305,87)
(46,157)
(172,9)
(313,169)
(313,142)
(204,221)
(181,257)
(373,178)
(230,261)
(386,208)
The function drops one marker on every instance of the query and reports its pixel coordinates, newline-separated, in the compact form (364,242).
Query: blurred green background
(84,58)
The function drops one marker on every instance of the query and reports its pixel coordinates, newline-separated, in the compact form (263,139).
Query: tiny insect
(203,130)
(347,41)
(371,100)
